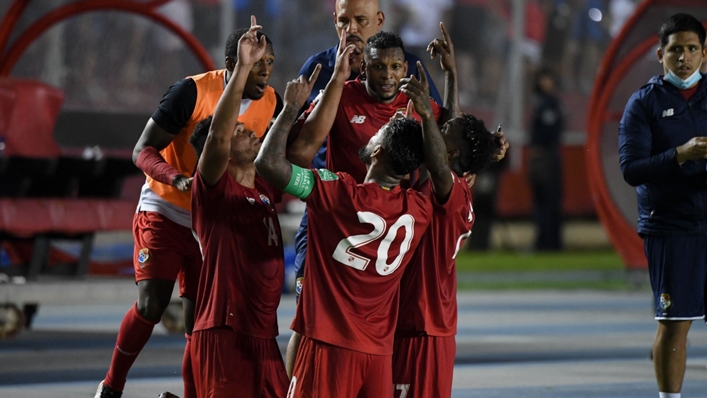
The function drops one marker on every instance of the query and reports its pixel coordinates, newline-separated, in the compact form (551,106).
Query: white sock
(668,395)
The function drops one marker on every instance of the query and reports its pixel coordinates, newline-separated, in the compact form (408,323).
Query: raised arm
(445,49)
(214,159)
(436,159)
(316,128)
(272,163)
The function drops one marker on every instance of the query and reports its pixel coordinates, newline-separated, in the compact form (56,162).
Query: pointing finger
(423,75)
(315,74)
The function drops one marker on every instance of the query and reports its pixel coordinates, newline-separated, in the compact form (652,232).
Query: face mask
(683,84)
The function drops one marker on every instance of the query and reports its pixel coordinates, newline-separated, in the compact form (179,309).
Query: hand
(250,49)
(419,92)
(344,58)
(502,146)
(694,149)
(182,182)
(409,112)
(470,179)
(445,49)
(298,90)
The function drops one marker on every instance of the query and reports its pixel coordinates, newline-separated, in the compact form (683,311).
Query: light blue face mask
(683,84)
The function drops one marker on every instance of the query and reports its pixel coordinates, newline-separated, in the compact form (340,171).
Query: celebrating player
(233,344)
(361,239)
(349,113)
(165,249)
(425,347)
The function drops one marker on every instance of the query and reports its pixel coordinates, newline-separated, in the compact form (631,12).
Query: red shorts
(165,250)
(324,370)
(228,364)
(423,366)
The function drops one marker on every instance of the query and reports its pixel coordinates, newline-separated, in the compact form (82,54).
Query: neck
(378,98)
(244,175)
(384,178)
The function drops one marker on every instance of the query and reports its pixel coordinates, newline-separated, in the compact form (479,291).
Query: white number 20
(344,255)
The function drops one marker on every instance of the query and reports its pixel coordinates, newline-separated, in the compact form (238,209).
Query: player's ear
(380,19)
(452,155)
(230,65)
(363,69)
(406,68)
(659,52)
(377,151)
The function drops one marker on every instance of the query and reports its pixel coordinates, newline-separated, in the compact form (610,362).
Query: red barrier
(81,7)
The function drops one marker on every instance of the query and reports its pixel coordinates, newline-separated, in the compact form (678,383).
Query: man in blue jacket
(662,152)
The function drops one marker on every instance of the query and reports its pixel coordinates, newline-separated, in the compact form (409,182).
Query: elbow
(631,178)
(136,154)
(262,166)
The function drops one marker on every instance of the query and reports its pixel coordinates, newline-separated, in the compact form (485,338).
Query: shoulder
(210,75)
(319,58)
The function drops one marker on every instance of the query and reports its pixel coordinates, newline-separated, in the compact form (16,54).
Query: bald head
(359,20)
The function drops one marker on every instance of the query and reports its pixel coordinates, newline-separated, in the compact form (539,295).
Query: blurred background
(113,68)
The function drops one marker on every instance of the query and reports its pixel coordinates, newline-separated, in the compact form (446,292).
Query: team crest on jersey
(326,175)
(250,200)
(298,285)
(265,199)
(143,255)
(665,302)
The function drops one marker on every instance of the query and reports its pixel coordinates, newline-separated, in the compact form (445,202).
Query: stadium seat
(46,194)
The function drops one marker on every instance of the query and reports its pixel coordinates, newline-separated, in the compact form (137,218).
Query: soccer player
(662,152)
(350,113)
(165,249)
(362,236)
(233,342)
(425,347)
(355,21)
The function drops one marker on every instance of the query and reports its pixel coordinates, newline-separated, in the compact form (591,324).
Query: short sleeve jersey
(428,289)
(358,118)
(361,239)
(243,271)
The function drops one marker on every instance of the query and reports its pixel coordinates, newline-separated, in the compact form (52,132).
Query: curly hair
(383,41)
(232,42)
(402,141)
(198,136)
(479,144)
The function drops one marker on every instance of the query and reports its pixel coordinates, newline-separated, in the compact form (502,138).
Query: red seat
(75,216)
(116,215)
(25,218)
(29,109)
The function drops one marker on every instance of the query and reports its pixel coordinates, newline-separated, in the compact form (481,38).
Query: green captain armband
(301,183)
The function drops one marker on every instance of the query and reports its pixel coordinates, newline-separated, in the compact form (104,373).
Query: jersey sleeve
(459,197)
(177,106)
(330,189)
(638,163)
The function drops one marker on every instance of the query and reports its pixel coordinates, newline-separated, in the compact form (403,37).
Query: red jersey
(361,238)
(243,272)
(428,289)
(358,118)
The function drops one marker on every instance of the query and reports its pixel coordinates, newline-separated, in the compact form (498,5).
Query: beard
(365,155)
